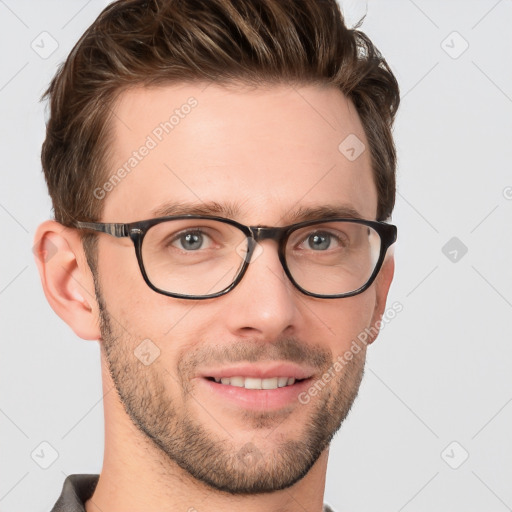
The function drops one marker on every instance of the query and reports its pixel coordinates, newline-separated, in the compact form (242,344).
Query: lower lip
(257,399)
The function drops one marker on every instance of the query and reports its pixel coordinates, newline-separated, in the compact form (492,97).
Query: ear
(382,284)
(66,278)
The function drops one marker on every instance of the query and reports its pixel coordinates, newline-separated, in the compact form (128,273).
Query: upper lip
(262,371)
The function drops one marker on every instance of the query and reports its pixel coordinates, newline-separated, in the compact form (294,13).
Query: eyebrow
(233,210)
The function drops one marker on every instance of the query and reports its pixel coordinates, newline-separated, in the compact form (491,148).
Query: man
(220,173)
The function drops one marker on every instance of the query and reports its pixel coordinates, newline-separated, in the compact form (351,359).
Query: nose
(263,304)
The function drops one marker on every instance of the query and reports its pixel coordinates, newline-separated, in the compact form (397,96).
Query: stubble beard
(213,458)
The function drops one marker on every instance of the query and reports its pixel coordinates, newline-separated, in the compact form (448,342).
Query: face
(259,155)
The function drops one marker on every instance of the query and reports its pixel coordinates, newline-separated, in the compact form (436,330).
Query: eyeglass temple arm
(117,230)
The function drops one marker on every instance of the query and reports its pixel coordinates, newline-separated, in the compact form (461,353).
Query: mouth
(257,387)
(256,383)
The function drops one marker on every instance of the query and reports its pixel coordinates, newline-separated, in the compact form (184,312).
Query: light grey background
(438,383)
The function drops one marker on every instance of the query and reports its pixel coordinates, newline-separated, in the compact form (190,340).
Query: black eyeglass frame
(136,231)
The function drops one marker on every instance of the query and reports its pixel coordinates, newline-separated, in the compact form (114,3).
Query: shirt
(77,489)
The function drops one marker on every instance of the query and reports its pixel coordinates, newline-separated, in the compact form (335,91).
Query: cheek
(139,314)
(118,269)
(129,300)
(343,320)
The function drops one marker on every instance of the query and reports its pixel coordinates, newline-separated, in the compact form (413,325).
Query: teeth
(269,383)
(282,381)
(255,383)
(236,381)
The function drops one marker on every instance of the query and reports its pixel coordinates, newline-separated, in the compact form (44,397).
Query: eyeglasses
(201,257)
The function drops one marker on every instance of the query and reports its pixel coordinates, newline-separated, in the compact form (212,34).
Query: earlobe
(382,284)
(66,278)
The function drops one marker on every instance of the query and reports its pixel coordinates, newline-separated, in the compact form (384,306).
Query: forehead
(260,153)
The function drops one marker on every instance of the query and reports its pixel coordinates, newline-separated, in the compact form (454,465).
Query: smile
(255,383)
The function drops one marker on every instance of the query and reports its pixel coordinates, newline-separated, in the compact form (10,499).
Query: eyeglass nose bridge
(260,233)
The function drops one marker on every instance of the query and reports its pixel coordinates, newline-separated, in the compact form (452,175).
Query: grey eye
(191,241)
(319,241)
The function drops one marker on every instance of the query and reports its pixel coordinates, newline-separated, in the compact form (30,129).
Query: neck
(137,475)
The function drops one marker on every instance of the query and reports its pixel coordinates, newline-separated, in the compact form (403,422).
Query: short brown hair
(153,42)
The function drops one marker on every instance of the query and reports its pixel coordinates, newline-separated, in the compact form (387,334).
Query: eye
(190,240)
(320,240)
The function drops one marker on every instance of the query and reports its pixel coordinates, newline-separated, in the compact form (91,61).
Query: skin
(169,445)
